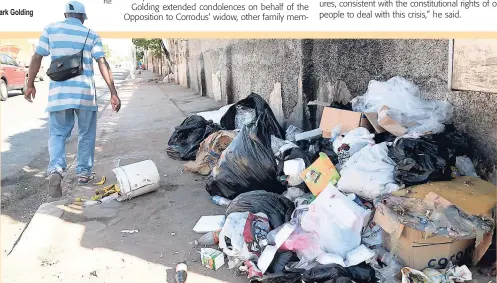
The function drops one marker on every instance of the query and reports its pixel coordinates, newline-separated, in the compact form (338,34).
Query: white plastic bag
(406,105)
(215,115)
(292,168)
(337,220)
(355,139)
(293,193)
(369,173)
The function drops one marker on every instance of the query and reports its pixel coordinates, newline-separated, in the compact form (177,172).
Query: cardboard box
(320,174)
(348,120)
(211,258)
(417,251)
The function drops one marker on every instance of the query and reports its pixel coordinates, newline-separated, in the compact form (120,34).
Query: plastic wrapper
(465,166)
(293,193)
(186,138)
(369,173)
(407,107)
(248,164)
(257,103)
(277,208)
(244,116)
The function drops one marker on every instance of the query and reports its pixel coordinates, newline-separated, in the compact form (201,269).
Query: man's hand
(115,102)
(30,93)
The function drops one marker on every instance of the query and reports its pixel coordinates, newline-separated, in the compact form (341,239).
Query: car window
(3,60)
(10,61)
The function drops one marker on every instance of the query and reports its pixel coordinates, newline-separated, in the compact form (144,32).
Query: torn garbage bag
(421,160)
(247,164)
(252,106)
(185,141)
(369,173)
(278,208)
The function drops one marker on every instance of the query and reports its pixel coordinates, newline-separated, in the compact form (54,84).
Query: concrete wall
(289,73)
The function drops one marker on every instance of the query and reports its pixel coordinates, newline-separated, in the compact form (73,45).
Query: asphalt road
(24,125)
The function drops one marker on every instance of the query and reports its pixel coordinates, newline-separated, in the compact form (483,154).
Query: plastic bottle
(181,272)
(209,239)
(220,201)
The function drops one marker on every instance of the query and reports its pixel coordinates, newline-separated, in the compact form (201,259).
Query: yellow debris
(102,181)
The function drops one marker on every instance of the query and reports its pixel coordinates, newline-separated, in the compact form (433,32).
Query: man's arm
(106,72)
(34,68)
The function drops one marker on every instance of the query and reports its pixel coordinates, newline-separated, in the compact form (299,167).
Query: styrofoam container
(137,179)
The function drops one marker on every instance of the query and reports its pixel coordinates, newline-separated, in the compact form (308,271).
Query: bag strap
(83,49)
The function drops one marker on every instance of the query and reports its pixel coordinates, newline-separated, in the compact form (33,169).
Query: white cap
(76,8)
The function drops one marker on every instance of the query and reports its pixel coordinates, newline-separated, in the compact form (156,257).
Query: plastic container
(209,239)
(137,179)
(220,201)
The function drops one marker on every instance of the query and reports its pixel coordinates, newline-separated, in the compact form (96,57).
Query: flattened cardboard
(390,125)
(373,120)
(414,249)
(473,195)
(348,120)
(320,174)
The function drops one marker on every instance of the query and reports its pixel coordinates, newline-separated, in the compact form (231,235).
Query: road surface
(24,126)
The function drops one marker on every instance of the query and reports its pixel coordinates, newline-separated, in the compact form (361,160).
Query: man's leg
(61,124)
(87,127)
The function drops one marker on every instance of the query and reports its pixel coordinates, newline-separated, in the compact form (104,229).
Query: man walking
(72,97)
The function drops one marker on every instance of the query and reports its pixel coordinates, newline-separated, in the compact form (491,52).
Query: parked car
(41,73)
(12,76)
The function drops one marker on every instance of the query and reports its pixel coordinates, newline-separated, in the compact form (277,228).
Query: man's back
(68,38)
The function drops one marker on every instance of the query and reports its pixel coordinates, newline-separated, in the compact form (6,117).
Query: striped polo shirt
(67,38)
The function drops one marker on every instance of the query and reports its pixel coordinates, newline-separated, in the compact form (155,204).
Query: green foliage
(108,51)
(142,44)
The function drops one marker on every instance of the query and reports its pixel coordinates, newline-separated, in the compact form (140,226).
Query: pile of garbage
(383,190)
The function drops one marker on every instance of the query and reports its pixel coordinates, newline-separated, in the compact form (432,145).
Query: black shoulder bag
(67,67)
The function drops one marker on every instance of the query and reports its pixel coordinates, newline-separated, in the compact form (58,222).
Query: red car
(12,76)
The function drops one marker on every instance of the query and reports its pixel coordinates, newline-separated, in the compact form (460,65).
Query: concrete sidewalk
(65,243)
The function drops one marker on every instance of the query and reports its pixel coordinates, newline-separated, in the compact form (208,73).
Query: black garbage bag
(278,208)
(384,137)
(185,141)
(281,260)
(247,164)
(325,273)
(421,160)
(341,106)
(362,273)
(254,101)
(314,147)
(288,277)
(457,142)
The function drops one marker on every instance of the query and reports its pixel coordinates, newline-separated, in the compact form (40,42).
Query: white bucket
(137,179)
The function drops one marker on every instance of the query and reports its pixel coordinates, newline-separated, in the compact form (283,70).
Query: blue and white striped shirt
(67,38)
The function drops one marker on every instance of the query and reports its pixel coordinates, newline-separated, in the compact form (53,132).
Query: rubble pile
(383,191)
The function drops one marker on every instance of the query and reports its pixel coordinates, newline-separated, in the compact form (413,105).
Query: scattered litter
(129,231)
(173,234)
(93,273)
(209,224)
(292,132)
(209,239)
(102,181)
(216,115)
(211,258)
(217,200)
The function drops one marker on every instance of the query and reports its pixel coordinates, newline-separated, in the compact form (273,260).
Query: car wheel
(25,86)
(4,93)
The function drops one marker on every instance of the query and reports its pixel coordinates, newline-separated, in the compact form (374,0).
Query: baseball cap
(76,7)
